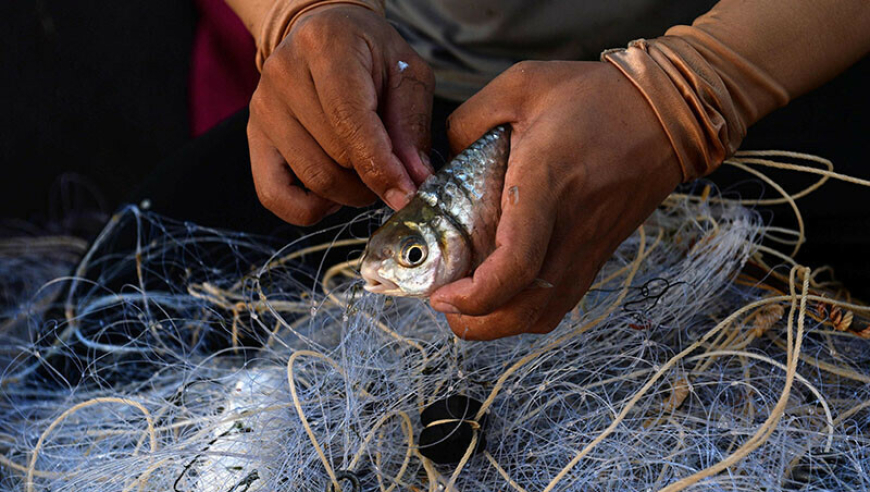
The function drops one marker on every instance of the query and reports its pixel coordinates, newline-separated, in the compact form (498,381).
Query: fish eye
(413,252)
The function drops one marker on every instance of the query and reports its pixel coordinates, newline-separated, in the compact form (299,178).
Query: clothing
(708,82)
(475,44)
(209,182)
(222,71)
(468,43)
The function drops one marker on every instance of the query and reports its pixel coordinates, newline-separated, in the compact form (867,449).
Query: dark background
(101,89)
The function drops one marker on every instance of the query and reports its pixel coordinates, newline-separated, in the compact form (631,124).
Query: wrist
(704,95)
(282,15)
(647,152)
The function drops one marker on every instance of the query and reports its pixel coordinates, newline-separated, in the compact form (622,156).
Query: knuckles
(321,30)
(267,197)
(344,116)
(320,180)
(345,119)
(270,199)
(311,33)
(522,73)
(278,65)
(258,105)
(519,69)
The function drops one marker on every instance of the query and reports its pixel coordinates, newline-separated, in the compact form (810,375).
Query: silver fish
(447,229)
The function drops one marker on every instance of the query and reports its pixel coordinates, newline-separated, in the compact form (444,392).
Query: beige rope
(96,401)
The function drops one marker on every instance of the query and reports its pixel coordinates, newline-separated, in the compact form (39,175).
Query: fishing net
(181,358)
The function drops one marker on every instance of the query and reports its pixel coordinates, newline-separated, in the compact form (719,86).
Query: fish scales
(459,189)
(448,227)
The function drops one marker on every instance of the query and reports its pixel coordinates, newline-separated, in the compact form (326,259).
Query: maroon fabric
(222,74)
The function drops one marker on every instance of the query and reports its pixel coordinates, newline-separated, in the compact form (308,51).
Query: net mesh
(182,358)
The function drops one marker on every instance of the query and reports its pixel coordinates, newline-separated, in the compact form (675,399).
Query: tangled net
(181,358)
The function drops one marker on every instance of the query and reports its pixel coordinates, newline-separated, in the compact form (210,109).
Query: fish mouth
(376,287)
(377,284)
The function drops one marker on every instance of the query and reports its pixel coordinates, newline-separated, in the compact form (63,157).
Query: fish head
(415,252)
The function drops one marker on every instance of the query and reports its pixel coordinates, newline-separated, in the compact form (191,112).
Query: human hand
(589,162)
(343,108)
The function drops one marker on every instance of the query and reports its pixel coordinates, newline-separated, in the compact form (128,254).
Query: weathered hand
(343,108)
(589,162)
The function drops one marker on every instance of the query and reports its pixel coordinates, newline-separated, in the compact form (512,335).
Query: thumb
(499,102)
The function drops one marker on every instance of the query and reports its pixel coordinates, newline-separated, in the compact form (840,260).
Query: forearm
(800,44)
(707,83)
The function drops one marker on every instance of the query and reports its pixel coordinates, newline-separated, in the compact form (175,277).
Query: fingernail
(446,308)
(334,209)
(397,198)
(426,161)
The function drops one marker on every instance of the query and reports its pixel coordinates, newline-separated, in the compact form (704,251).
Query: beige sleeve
(269,21)
(709,81)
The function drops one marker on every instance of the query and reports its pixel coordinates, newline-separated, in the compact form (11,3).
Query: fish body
(447,229)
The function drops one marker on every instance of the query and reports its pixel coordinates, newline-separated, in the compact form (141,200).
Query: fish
(447,229)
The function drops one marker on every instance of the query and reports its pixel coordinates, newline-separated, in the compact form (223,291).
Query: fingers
(528,210)
(522,238)
(275,185)
(316,170)
(407,114)
(515,318)
(347,94)
(539,308)
(329,73)
(500,101)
